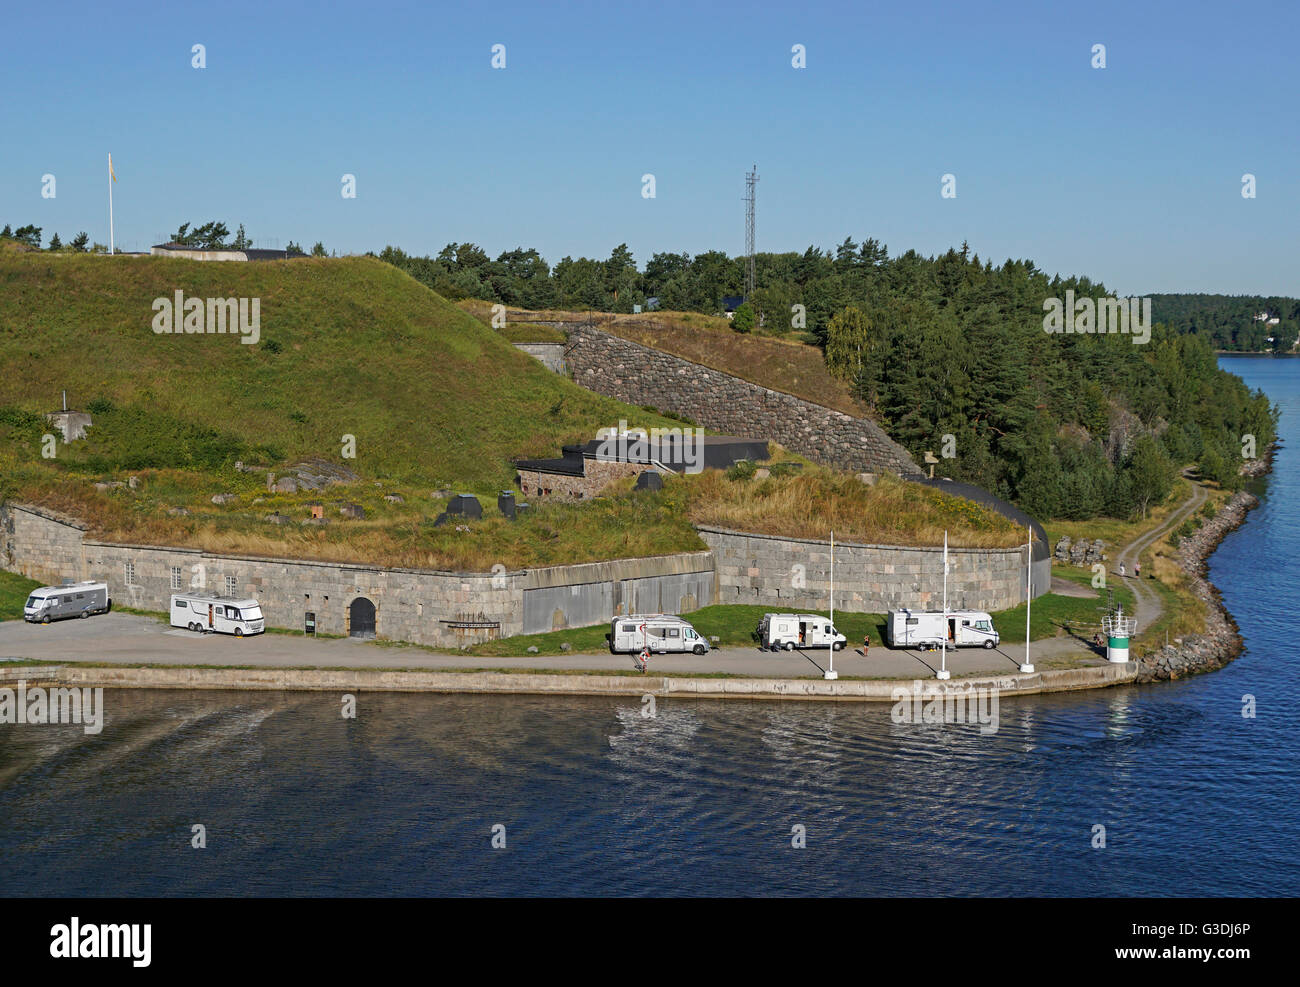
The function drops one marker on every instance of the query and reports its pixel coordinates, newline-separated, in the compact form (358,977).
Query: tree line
(949,353)
(1234,323)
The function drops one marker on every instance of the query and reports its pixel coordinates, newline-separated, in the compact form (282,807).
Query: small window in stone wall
(230,585)
(129,568)
(176,577)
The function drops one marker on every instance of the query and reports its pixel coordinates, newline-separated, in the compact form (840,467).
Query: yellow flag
(110,168)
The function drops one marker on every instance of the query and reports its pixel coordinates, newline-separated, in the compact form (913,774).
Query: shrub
(743,470)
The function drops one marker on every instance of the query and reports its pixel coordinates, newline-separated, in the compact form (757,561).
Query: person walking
(1121,570)
(1137,570)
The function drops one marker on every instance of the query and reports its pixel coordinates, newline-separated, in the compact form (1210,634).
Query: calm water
(596,799)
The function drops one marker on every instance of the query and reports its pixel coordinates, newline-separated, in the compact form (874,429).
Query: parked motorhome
(798,630)
(925,629)
(72,600)
(661,633)
(217,614)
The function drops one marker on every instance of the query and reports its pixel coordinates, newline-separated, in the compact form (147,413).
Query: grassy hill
(433,397)
(348,347)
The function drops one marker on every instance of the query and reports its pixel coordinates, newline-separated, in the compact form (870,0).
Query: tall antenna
(750,181)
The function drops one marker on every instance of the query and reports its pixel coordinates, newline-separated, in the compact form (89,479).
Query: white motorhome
(217,614)
(925,629)
(71,600)
(798,630)
(661,633)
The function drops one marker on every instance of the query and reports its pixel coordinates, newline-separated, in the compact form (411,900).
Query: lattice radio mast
(750,181)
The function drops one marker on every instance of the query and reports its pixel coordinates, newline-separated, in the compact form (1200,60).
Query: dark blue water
(596,799)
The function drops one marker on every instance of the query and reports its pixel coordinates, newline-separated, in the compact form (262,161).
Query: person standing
(1121,570)
(1137,570)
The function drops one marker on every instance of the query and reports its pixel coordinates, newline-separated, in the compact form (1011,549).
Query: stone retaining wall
(794,574)
(420,606)
(640,375)
(533,683)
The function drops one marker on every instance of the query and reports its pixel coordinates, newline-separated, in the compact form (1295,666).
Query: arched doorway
(361,618)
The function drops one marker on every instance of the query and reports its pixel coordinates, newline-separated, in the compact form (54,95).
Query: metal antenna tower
(750,181)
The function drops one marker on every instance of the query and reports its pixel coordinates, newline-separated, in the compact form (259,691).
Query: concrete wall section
(421,606)
(550,354)
(794,574)
(640,375)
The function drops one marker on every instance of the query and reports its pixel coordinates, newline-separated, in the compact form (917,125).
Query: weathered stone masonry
(794,574)
(421,606)
(640,375)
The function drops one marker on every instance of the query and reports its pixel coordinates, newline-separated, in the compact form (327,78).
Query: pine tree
(56,243)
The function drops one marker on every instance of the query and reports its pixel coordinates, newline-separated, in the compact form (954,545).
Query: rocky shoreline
(1221,642)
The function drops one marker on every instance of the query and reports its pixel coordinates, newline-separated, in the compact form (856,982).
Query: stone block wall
(794,574)
(420,606)
(597,475)
(640,375)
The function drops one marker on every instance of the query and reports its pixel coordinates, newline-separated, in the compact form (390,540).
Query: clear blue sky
(1130,174)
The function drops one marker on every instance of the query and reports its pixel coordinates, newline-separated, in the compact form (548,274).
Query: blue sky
(1130,174)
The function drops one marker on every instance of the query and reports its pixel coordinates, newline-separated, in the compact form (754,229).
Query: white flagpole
(1029,596)
(830,672)
(943,664)
(110,203)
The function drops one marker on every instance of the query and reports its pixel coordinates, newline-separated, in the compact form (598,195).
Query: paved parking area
(134,640)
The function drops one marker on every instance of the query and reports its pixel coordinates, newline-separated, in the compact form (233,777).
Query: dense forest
(951,354)
(1237,323)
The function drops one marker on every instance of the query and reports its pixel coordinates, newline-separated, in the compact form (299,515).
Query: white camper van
(798,630)
(925,629)
(219,614)
(662,633)
(72,600)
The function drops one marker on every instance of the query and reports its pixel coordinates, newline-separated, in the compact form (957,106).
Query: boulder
(223,498)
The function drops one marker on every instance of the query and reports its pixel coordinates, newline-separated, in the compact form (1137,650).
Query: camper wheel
(191,626)
(239,632)
(988,643)
(789,645)
(838,646)
(699,649)
(85,614)
(45,619)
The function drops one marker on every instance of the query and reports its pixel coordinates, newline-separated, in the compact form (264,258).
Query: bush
(19,417)
(743,470)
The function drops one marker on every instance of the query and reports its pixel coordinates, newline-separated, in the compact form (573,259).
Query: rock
(762,473)
(286,484)
(566,646)
(278,518)
(110,485)
(133,482)
(440,494)
(394,498)
(223,498)
(353,511)
(178,512)
(868,478)
(532,649)
(321,521)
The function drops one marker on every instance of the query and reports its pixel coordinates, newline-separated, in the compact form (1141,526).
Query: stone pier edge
(526,683)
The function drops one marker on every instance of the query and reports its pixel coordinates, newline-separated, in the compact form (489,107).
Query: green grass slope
(348,347)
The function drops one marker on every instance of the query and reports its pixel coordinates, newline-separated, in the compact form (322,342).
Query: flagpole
(943,663)
(1025,666)
(110,204)
(830,673)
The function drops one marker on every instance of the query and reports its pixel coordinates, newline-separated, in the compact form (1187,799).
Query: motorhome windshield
(249,613)
(35,602)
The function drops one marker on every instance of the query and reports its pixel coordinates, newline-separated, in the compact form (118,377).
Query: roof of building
(674,451)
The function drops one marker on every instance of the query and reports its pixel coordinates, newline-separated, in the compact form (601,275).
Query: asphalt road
(133,640)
